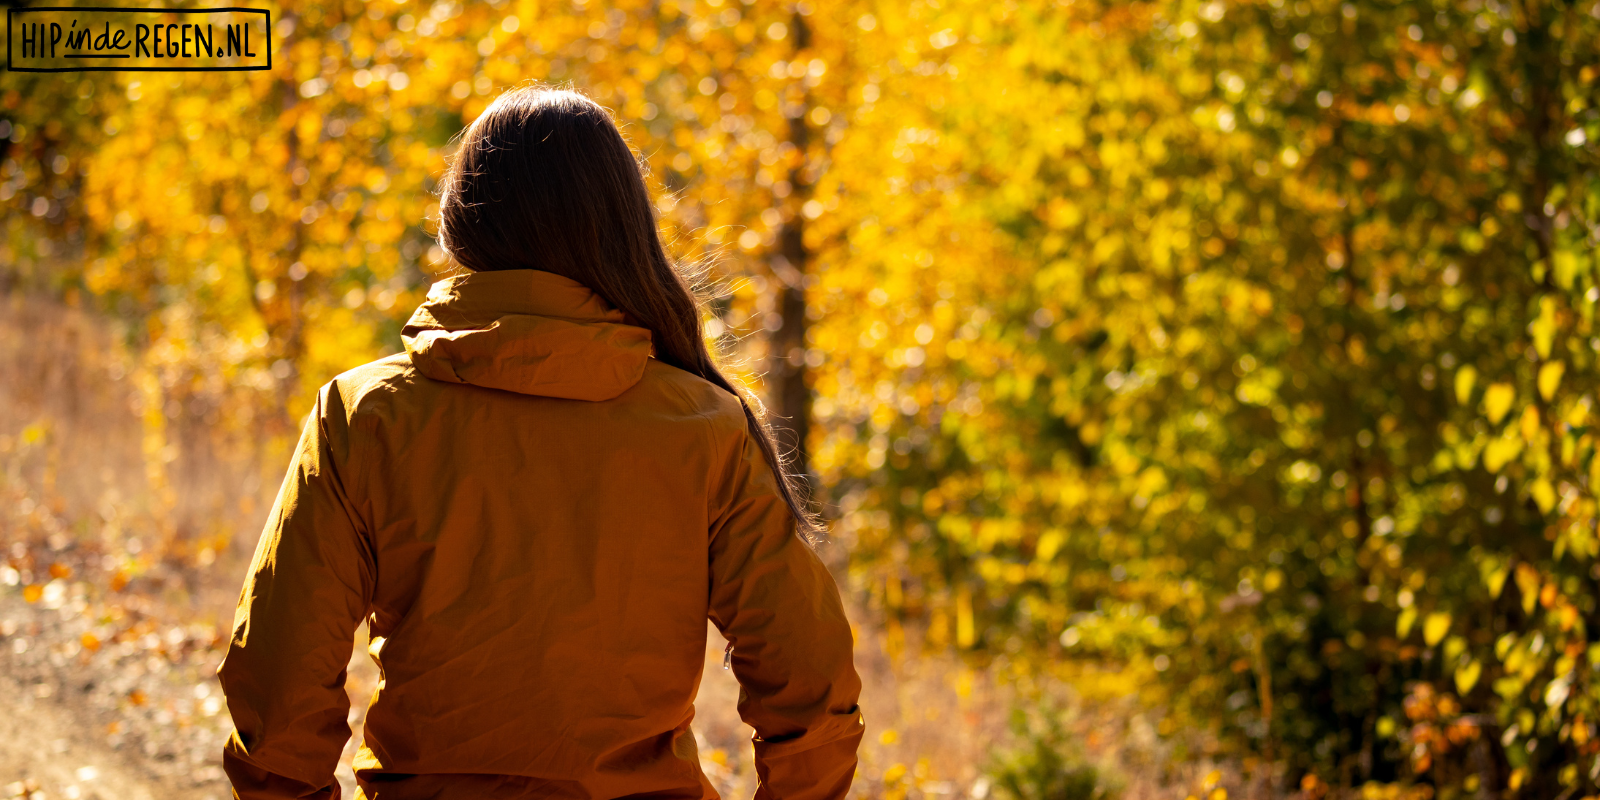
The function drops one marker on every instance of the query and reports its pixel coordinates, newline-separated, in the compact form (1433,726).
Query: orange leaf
(90,642)
(1422,762)
(32,592)
(137,697)
(60,570)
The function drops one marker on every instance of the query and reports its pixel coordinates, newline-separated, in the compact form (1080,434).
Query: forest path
(143,722)
(54,745)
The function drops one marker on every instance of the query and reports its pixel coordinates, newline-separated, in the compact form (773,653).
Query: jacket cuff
(834,727)
(809,770)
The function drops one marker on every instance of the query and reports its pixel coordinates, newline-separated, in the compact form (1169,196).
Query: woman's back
(536,517)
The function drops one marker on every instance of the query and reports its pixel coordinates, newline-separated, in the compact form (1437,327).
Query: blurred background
(1201,394)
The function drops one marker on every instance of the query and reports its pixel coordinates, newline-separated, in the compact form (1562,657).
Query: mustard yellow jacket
(535,518)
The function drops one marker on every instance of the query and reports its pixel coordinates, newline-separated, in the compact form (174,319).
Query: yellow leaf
(1049,544)
(1565,267)
(1499,452)
(1577,414)
(1530,423)
(1465,378)
(1272,580)
(1435,627)
(1543,494)
(1528,586)
(965,633)
(1408,617)
(1550,378)
(33,433)
(1544,328)
(1497,581)
(1467,676)
(1518,776)
(1497,400)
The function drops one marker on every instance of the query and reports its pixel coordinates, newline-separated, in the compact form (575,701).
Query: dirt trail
(46,748)
(85,718)
(141,718)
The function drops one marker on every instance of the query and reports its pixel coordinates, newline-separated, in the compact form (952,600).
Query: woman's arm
(308,588)
(779,608)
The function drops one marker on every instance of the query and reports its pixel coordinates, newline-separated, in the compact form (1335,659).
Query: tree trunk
(789,397)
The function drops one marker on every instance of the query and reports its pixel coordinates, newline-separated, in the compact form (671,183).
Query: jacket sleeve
(309,585)
(779,608)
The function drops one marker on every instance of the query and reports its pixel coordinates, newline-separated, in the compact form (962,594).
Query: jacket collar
(529,332)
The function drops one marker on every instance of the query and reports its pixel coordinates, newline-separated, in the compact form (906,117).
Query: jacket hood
(529,332)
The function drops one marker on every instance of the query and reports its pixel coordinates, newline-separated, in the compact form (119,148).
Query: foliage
(1264,403)
(1048,766)
(277,223)
(1239,356)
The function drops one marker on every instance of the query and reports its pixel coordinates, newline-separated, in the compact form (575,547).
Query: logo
(106,39)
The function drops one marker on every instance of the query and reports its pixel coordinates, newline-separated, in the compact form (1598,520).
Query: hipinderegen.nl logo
(109,39)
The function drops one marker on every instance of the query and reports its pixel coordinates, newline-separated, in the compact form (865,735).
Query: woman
(535,508)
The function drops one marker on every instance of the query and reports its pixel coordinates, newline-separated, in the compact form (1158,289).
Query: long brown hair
(543,179)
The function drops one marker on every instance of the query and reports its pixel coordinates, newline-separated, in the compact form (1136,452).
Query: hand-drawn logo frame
(266,15)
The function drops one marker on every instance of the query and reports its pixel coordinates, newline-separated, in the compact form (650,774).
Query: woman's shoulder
(690,395)
(376,379)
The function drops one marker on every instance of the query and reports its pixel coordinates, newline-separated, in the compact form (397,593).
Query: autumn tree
(1238,357)
(1263,395)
